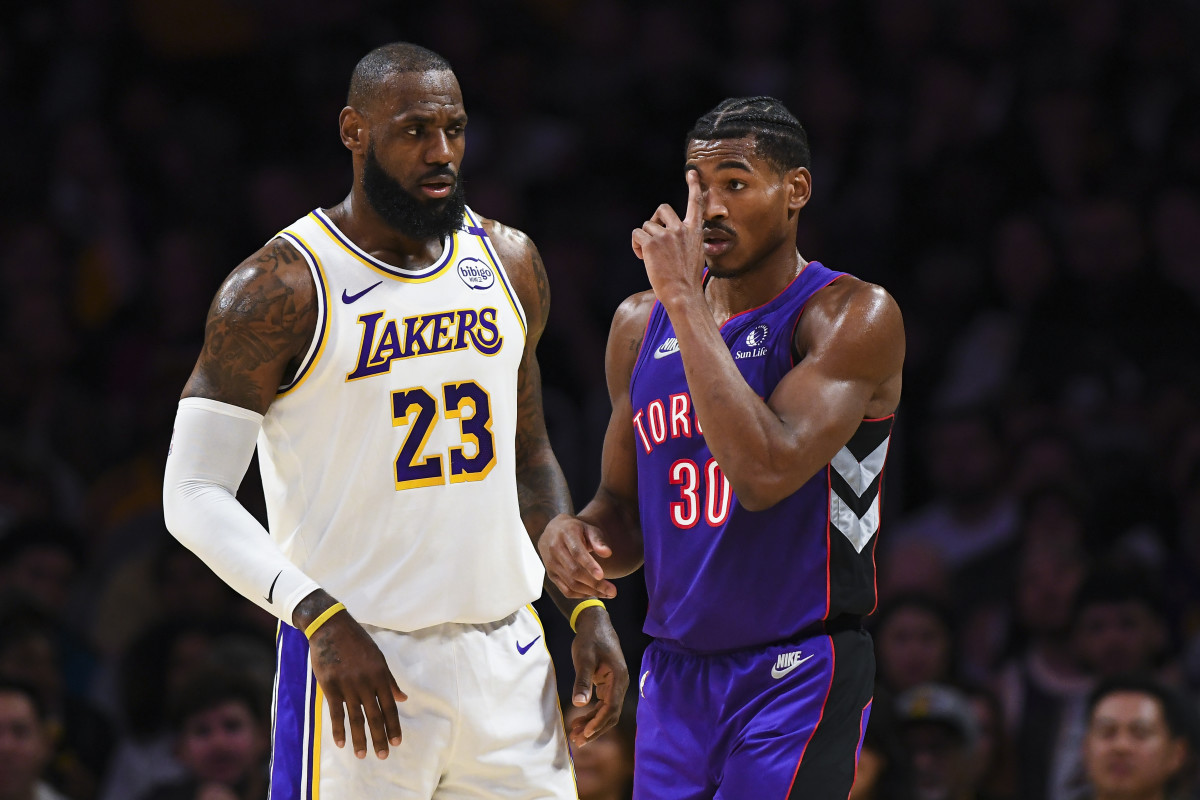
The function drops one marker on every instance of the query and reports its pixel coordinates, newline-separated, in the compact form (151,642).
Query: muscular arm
(260,323)
(259,326)
(851,341)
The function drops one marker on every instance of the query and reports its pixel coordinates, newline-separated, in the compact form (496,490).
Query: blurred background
(1022,175)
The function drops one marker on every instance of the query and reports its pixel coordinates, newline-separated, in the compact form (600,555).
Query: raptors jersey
(720,577)
(388,461)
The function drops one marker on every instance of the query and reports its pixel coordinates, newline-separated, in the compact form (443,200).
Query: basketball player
(752,409)
(381,354)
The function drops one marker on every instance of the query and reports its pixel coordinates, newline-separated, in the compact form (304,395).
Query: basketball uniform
(759,679)
(388,470)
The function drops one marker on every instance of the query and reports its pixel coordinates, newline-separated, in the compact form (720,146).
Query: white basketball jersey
(388,462)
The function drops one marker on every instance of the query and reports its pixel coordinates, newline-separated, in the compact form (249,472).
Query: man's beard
(405,212)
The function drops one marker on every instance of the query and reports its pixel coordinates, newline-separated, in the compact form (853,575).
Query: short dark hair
(779,138)
(212,687)
(1180,722)
(376,66)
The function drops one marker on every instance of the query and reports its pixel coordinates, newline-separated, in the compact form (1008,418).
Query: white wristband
(210,450)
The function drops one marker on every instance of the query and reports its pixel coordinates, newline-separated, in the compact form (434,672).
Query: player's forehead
(730,153)
(420,94)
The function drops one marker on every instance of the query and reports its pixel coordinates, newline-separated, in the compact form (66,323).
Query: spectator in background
(220,723)
(914,642)
(80,736)
(971,515)
(942,736)
(1041,684)
(25,747)
(1137,740)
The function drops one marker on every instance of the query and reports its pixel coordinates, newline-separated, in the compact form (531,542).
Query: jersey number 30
(418,410)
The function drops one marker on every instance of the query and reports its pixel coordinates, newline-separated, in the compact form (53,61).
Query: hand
(568,547)
(673,249)
(353,673)
(598,660)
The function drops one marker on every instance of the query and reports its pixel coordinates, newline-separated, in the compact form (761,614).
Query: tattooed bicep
(260,322)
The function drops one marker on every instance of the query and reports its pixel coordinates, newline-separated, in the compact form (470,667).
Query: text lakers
(385,341)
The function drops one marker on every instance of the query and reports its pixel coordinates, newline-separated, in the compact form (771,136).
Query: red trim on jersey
(879,530)
(828,525)
(879,419)
(825,702)
(800,313)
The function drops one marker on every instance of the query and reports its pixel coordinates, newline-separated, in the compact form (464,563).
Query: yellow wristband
(585,604)
(315,625)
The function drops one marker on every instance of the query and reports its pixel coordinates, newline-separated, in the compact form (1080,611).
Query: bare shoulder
(260,321)
(856,312)
(523,265)
(625,339)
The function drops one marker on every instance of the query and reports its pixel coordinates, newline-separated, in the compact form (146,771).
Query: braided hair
(779,138)
(386,60)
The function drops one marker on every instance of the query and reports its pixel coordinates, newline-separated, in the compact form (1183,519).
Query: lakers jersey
(719,576)
(388,460)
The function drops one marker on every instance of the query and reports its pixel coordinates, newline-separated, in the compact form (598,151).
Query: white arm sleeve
(210,451)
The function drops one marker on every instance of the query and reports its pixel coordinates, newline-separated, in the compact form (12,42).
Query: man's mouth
(716,242)
(438,187)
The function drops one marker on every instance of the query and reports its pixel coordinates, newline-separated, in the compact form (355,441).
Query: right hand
(569,547)
(355,678)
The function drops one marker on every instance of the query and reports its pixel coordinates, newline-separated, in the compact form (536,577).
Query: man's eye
(736,185)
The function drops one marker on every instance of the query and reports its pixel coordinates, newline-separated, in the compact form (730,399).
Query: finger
(595,541)
(357,734)
(577,736)
(582,692)
(376,724)
(391,714)
(581,553)
(664,215)
(694,215)
(639,238)
(337,716)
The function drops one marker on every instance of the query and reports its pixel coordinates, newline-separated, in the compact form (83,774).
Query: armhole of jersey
(800,313)
(641,356)
(475,228)
(321,335)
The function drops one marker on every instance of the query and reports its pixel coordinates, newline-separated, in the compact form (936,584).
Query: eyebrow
(730,164)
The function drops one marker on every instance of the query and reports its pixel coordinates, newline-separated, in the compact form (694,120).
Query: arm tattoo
(257,325)
(541,488)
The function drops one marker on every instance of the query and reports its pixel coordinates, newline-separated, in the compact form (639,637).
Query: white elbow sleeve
(210,451)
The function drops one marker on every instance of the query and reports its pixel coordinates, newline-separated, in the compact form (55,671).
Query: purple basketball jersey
(720,577)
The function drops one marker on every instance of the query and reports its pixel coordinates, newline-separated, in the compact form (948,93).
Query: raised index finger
(693,217)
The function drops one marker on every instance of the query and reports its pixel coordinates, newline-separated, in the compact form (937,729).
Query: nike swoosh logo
(663,351)
(525,649)
(271,591)
(350,298)
(777,673)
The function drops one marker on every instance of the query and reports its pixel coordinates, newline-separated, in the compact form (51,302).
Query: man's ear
(353,129)
(799,182)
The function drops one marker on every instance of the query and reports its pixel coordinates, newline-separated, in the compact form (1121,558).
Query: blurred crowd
(1022,175)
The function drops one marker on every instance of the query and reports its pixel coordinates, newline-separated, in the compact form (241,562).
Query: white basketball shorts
(482,719)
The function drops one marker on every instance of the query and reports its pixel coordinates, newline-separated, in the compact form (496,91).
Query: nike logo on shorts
(525,649)
(788,662)
(350,298)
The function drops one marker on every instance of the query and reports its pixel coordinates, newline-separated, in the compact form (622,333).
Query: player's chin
(725,267)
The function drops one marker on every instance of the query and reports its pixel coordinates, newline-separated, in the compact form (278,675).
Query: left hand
(598,660)
(673,249)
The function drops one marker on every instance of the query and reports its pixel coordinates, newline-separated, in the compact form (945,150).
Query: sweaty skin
(741,221)
(263,319)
